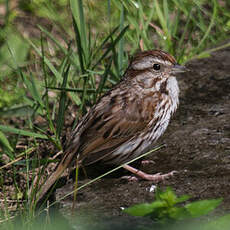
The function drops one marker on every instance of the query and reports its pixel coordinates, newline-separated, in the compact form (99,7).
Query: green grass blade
(78,90)
(8,129)
(121,42)
(79,46)
(100,47)
(32,88)
(182,38)
(109,12)
(103,79)
(214,14)
(162,19)
(78,15)
(73,57)
(47,62)
(6,145)
(62,103)
(19,111)
(121,34)
(166,12)
(35,92)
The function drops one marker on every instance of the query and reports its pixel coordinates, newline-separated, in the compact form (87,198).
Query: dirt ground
(198,147)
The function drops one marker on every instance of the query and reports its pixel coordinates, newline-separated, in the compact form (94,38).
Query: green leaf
(203,207)
(178,213)
(144,209)
(169,196)
(182,198)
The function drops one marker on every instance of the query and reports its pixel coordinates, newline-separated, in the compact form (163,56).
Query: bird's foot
(158,177)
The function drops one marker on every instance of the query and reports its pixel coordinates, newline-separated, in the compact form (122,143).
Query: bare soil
(198,148)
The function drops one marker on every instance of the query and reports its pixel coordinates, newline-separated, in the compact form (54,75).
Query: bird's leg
(155,177)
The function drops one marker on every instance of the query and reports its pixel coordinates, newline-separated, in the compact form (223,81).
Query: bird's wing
(114,120)
(112,123)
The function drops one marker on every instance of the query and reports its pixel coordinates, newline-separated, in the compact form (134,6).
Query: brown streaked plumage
(128,119)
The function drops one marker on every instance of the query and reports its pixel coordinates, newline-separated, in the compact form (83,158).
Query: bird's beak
(178,69)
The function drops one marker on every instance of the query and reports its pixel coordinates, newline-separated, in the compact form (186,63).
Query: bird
(128,119)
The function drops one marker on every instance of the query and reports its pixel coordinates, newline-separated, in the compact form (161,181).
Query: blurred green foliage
(167,207)
(172,212)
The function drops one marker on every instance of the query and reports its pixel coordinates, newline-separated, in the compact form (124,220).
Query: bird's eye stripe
(160,61)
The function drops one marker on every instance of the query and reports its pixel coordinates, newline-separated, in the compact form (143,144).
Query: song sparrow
(128,119)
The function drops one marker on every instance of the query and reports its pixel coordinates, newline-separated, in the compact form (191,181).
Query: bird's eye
(156,66)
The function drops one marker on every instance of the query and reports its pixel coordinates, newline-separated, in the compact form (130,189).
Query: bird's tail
(65,162)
